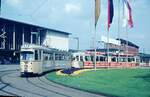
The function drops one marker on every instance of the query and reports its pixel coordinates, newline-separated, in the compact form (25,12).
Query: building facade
(13,34)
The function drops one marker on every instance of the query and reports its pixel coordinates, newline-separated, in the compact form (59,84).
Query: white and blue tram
(36,59)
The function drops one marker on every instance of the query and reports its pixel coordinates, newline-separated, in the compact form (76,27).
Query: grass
(117,82)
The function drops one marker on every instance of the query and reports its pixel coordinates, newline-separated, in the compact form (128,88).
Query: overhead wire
(38,7)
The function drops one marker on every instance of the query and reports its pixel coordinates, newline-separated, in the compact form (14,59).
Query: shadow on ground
(144,77)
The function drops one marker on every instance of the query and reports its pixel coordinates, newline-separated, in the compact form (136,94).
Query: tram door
(87,61)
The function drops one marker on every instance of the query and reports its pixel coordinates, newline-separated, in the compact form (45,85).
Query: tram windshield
(27,55)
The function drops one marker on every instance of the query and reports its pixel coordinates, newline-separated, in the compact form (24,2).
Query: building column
(3,37)
(23,36)
(31,36)
(39,38)
(14,42)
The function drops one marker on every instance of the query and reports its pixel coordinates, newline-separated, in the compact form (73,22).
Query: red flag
(110,12)
(127,13)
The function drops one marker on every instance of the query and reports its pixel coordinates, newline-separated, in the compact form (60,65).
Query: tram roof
(104,50)
(32,24)
(34,46)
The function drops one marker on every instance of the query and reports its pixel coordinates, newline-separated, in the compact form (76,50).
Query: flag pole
(108,48)
(95,48)
(110,18)
(119,31)
(127,43)
(95,36)
(97,13)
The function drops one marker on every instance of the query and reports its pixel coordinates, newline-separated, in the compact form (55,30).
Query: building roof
(103,50)
(129,43)
(143,55)
(35,25)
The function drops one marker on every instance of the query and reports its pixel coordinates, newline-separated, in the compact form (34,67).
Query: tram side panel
(101,61)
(56,60)
(48,63)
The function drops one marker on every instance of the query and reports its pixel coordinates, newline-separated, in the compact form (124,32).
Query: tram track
(29,82)
(41,85)
(6,73)
(67,90)
(2,74)
(11,84)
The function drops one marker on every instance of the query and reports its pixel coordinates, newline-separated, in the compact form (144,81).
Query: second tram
(86,60)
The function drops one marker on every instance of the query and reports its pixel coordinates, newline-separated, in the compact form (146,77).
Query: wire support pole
(108,48)
(126,43)
(119,31)
(95,48)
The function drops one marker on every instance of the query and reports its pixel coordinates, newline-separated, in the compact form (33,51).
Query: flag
(127,14)
(110,12)
(97,11)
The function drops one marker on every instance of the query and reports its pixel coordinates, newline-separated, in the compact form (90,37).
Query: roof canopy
(2,19)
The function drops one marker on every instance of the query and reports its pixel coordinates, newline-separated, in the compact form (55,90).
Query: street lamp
(77,38)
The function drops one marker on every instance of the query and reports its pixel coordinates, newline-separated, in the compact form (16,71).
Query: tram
(36,59)
(86,60)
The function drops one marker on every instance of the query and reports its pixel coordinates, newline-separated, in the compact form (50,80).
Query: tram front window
(27,55)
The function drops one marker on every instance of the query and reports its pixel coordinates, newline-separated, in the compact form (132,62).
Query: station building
(14,33)
(126,47)
(119,45)
(120,48)
(144,59)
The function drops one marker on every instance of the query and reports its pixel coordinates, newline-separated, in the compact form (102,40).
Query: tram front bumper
(28,74)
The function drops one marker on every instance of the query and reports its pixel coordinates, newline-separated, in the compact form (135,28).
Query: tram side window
(81,58)
(102,58)
(60,57)
(92,58)
(97,58)
(67,57)
(87,58)
(51,56)
(45,57)
(56,57)
(39,54)
(123,59)
(77,57)
(113,59)
(131,59)
(36,55)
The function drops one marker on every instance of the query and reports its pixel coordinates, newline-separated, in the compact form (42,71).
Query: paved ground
(12,84)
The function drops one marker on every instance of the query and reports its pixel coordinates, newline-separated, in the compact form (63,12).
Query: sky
(77,18)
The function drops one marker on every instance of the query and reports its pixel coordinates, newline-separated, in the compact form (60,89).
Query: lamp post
(77,38)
